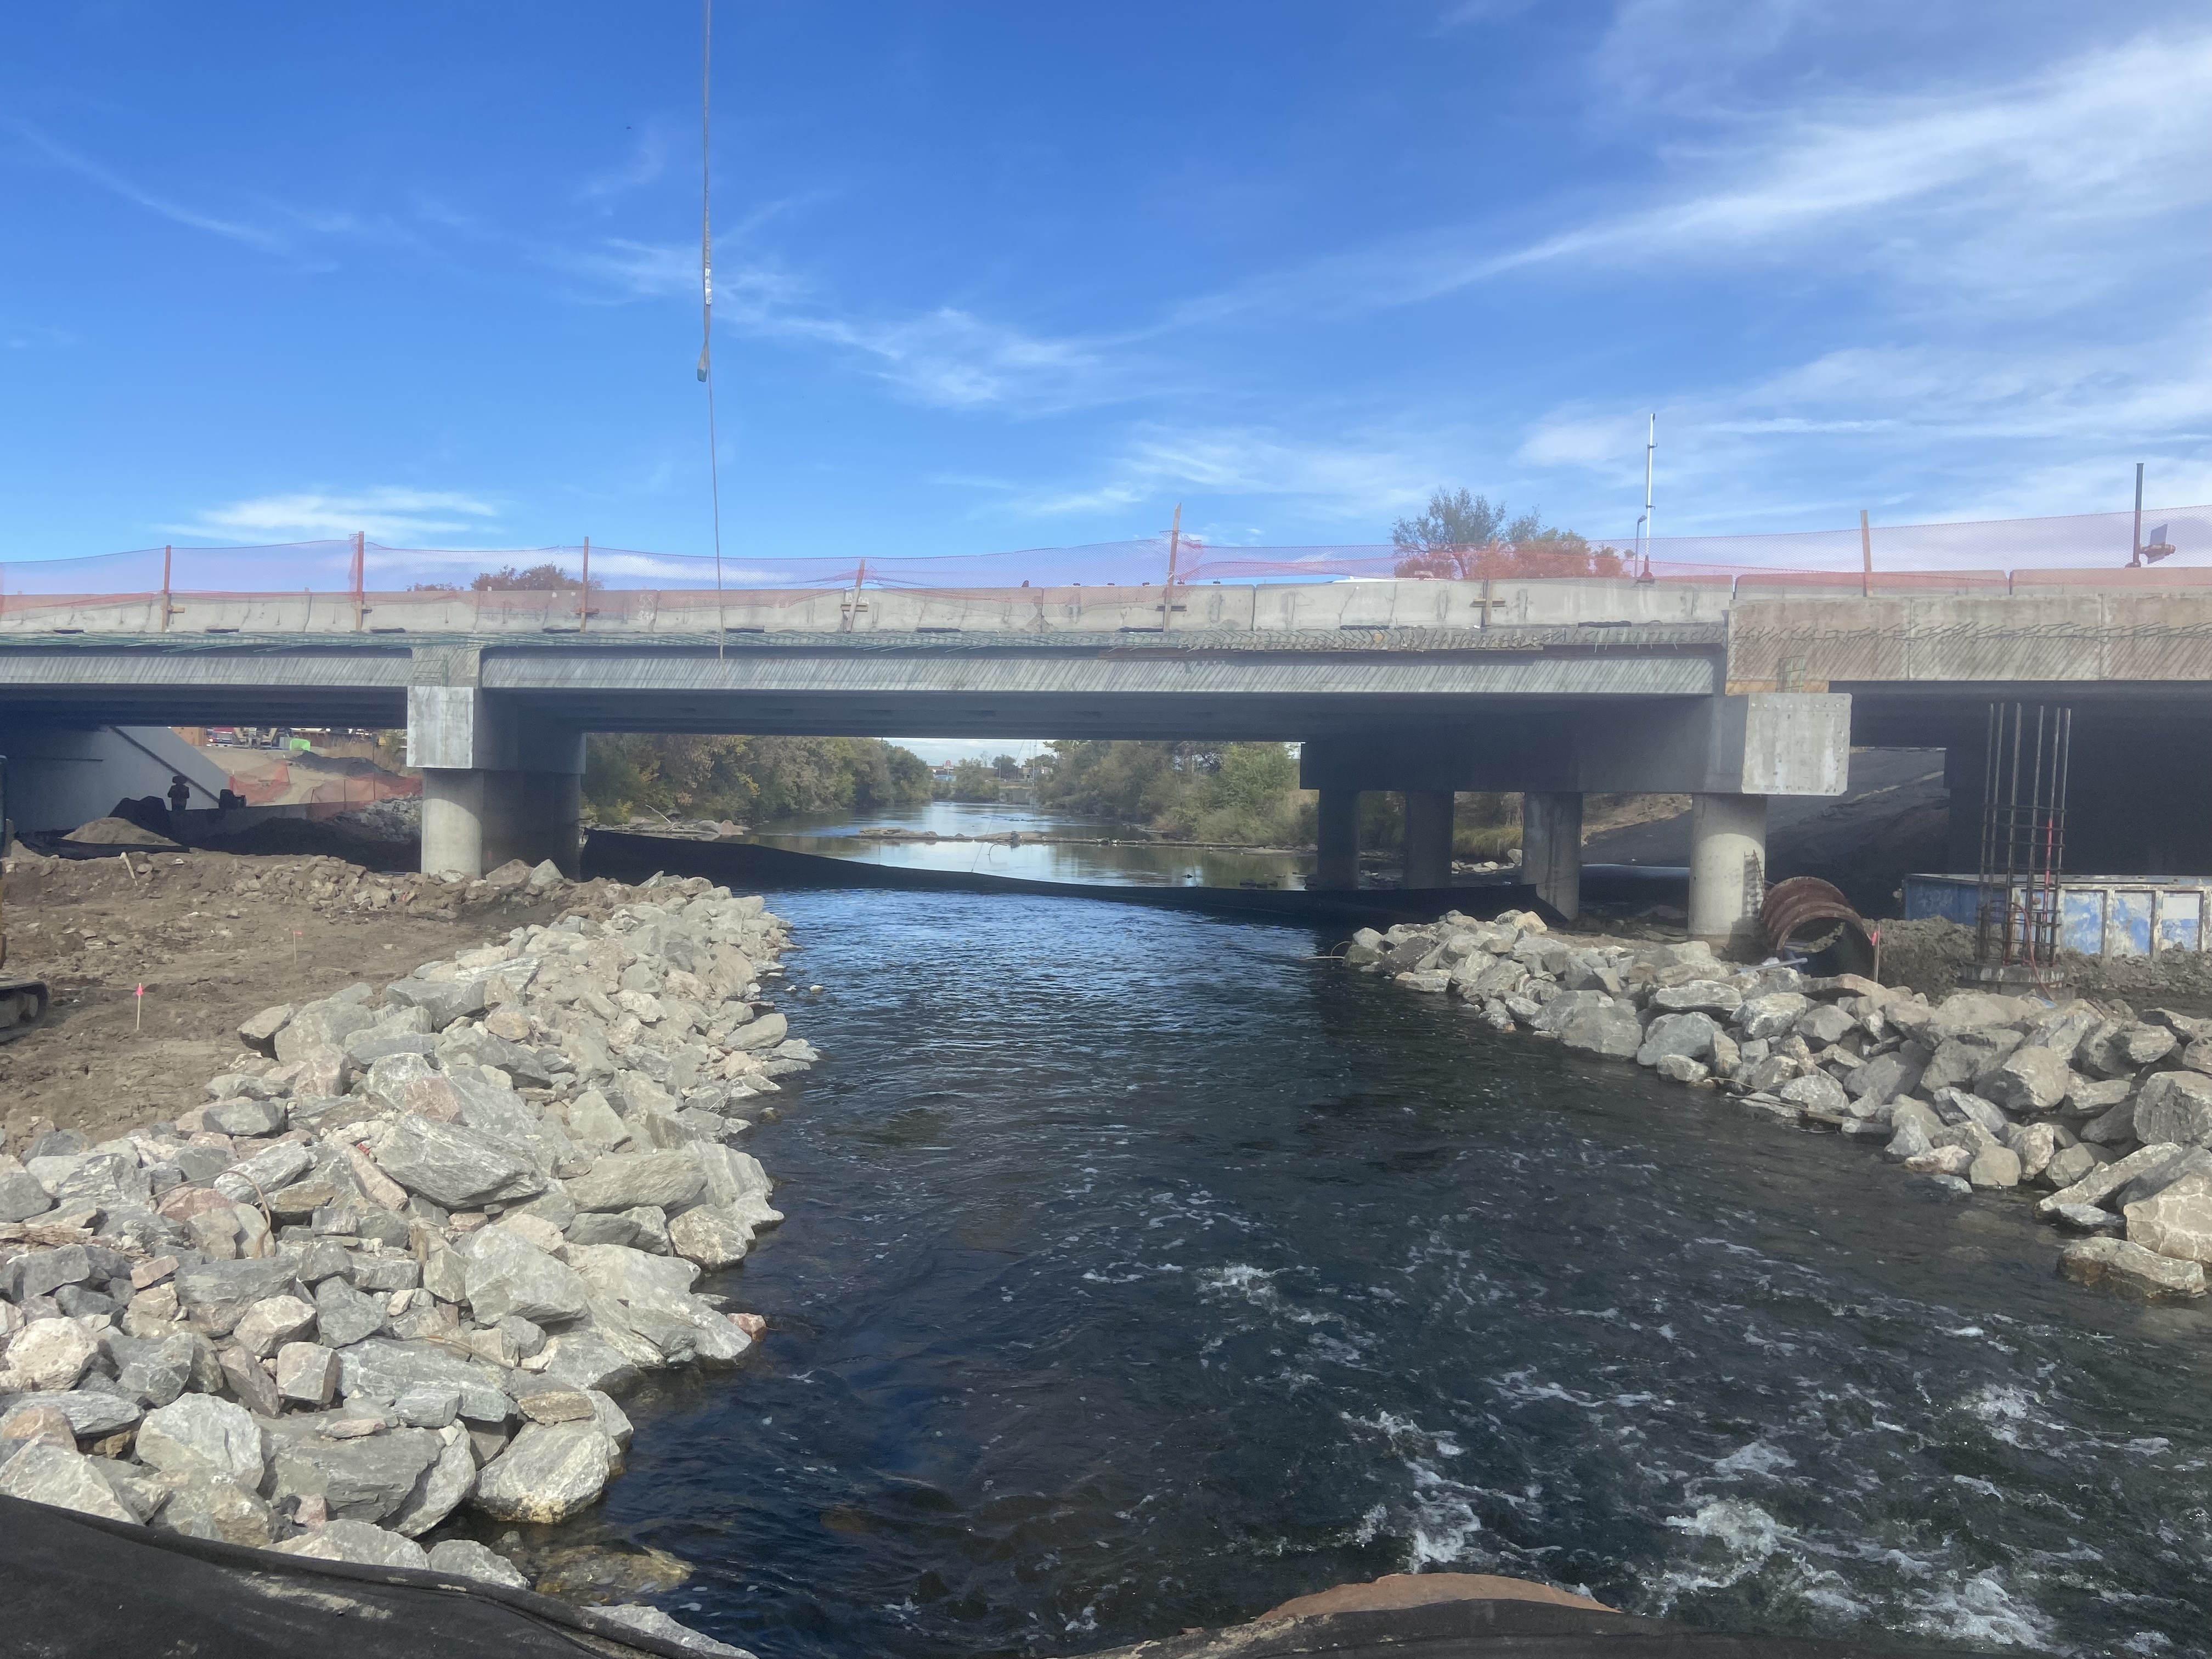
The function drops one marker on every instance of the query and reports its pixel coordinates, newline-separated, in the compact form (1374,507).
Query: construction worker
(181,793)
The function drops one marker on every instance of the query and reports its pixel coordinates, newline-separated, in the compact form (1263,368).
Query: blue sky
(997,276)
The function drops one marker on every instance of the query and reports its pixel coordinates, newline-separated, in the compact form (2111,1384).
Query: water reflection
(1038,845)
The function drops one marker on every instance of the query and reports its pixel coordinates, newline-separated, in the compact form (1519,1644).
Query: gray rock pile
(413,1247)
(2107,1115)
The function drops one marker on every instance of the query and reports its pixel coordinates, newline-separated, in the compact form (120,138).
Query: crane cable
(707,299)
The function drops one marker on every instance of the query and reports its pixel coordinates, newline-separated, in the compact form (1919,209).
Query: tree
(1007,766)
(972,780)
(537,578)
(1462,536)
(753,778)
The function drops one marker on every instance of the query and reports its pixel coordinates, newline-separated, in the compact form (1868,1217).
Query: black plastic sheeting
(74,1585)
(1481,1629)
(748,866)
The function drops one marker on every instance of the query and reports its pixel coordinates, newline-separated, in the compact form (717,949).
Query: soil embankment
(213,937)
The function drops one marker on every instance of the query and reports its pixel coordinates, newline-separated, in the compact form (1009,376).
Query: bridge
(1725,692)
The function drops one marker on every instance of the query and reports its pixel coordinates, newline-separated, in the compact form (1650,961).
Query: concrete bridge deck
(1552,688)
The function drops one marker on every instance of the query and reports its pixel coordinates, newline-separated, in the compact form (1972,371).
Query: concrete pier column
(1551,849)
(474,821)
(1428,837)
(498,781)
(452,824)
(1336,836)
(1728,870)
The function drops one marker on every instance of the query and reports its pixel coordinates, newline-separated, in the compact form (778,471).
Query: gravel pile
(411,1249)
(2108,1115)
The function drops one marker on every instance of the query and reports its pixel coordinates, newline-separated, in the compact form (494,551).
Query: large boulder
(196,1433)
(763,1033)
(2034,1144)
(630,1181)
(357,1541)
(2101,1181)
(711,1236)
(324,1024)
(205,1506)
(2118,1050)
(548,1472)
(90,1412)
(1994,1166)
(1976,1011)
(344,1315)
(507,1274)
(1771,1015)
(215,1295)
(410,1081)
(1708,996)
(1816,1091)
(268,1325)
(1960,1058)
(2175,1106)
(464,1557)
(1688,1035)
(2122,1264)
(1609,1028)
(455,1165)
(2062,1028)
(2177,1222)
(360,1479)
(442,1000)
(62,1477)
(584,1360)
(737,1183)
(442,1486)
(2027,1079)
(47,1357)
(385,1370)
(1885,1077)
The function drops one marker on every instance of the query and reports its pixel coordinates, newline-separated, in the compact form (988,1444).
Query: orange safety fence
(2077,550)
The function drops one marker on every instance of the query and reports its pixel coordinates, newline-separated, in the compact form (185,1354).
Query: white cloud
(2042,192)
(394,516)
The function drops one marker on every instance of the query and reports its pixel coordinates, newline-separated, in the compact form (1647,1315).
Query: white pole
(1650,448)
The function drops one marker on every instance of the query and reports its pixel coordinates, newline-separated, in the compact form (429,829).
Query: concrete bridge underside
(1729,705)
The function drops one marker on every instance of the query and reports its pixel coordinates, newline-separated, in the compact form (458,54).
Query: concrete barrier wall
(2063,635)
(1284,606)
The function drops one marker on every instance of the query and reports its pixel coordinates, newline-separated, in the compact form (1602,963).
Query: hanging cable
(707,297)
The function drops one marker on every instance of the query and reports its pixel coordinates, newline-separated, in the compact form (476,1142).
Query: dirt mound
(214,938)
(1927,955)
(115,832)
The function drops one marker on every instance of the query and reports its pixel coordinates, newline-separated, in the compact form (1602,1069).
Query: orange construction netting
(1992,553)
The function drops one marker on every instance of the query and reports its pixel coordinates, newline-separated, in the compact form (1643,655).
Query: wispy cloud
(236,230)
(1361,477)
(391,515)
(2045,189)
(644,165)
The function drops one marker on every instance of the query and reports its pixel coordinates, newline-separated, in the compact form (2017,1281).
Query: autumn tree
(1463,535)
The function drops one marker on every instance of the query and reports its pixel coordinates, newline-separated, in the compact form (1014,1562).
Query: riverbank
(2109,1115)
(401,1262)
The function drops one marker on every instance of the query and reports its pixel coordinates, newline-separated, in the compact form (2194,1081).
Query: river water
(1142,1272)
(1081,851)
